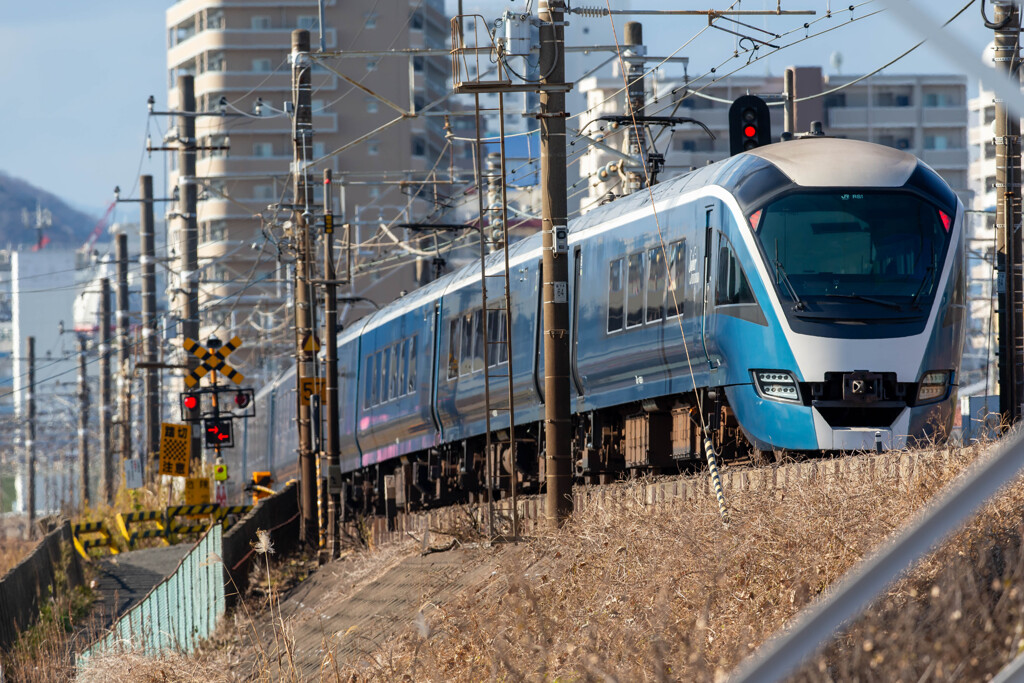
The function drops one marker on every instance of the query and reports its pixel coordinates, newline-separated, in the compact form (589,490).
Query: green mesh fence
(179,612)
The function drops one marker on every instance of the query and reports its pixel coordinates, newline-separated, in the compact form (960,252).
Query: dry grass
(626,592)
(12,551)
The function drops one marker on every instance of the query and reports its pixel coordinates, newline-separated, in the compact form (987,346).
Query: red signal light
(241,399)
(190,402)
(750,131)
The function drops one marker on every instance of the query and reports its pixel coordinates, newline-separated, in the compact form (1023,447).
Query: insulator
(591,12)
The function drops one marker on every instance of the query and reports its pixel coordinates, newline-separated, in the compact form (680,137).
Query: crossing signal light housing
(218,432)
(750,124)
(190,406)
(243,398)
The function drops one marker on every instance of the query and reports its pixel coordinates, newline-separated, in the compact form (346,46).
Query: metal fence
(178,612)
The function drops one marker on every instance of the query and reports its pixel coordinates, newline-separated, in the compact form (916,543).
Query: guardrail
(161,524)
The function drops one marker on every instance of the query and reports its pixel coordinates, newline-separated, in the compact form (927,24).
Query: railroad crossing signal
(215,360)
(175,449)
(219,432)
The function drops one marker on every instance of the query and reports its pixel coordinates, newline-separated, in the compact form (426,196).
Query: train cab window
(655,285)
(732,286)
(411,367)
(478,341)
(616,296)
(635,289)
(454,338)
(676,278)
(466,359)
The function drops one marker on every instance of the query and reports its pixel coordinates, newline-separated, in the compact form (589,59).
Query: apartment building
(237,51)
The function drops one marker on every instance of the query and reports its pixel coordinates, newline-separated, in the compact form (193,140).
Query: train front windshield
(876,248)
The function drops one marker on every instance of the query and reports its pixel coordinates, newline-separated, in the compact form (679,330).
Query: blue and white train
(804,296)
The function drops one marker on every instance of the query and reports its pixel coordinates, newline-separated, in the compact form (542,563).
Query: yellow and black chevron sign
(216,360)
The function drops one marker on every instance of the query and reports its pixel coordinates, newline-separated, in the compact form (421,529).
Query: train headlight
(776,385)
(934,385)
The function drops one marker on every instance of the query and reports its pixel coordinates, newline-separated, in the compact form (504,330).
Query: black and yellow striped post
(716,480)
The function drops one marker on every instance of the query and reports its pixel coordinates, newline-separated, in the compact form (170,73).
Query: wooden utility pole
(151,376)
(188,292)
(555,271)
(83,427)
(124,378)
(1008,222)
(107,489)
(332,451)
(305,319)
(637,140)
(30,438)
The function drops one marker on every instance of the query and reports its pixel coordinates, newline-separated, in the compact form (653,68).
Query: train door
(710,248)
(574,302)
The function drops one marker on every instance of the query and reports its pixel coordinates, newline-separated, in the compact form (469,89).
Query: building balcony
(945,158)
(944,116)
(880,117)
(270,40)
(215,249)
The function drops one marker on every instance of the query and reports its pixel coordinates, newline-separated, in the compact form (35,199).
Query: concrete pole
(789,89)
(636,140)
(305,319)
(150,349)
(333,450)
(83,427)
(188,295)
(107,488)
(124,384)
(1008,238)
(555,272)
(30,438)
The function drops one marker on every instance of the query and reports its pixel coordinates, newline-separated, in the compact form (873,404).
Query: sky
(77,74)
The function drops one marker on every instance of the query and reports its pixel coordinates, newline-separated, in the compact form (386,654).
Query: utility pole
(555,271)
(107,488)
(188,294)
(30,437)
(635,84)
(1008,216)
(333,452)
(124,393)
(305,320)
(151,378)
(83,427)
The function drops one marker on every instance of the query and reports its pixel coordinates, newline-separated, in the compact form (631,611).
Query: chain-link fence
(179,612)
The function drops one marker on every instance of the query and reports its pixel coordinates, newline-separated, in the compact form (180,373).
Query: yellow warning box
(175,449)
(313,385)
(197,491)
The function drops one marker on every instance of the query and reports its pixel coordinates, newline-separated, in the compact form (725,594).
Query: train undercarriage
(659,436)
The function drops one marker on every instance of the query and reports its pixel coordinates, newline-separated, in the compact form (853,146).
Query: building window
(371,64)
(373,147)
(372,106)
(416,21)
(370,20)
(215,20)
(319,150)
(263,191)
(261,23)
(419,147)
(936,142)
(215,61)
(417,64)
(262,65)
(374,192)
(308,22)
(263,149)
(616,296)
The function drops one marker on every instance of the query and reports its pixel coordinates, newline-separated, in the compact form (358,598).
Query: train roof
(838,162)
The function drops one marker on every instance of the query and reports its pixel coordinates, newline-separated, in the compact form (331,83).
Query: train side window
(732,286)
(655,285)
(393,383)
(368,382)
(411,367)
(616,296)
(478,340)
(403,367)
(385,358)
(454,338)
(676,294)
(496,352)
(466,359)
(635,289)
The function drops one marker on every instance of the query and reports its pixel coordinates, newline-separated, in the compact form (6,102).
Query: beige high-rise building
(238,52)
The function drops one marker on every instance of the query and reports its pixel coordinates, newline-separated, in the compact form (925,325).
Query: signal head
(750,124)
(241,399)
(190,401)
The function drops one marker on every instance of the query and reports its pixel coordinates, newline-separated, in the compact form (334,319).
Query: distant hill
(69,227)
